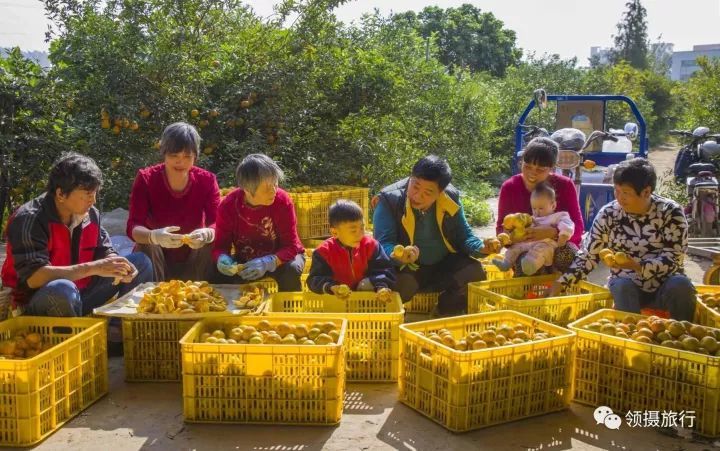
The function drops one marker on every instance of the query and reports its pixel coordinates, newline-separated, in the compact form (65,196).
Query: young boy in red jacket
(350,260)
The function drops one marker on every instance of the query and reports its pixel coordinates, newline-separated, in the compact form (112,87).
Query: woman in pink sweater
(538,164)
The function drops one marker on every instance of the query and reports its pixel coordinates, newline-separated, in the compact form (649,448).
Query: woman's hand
(540,233)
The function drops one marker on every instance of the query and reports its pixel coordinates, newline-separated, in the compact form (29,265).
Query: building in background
(599,56)
(684,64)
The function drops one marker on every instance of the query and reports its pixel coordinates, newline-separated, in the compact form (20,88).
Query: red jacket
(36,238)
(256,231)
(335,264)
(153,204)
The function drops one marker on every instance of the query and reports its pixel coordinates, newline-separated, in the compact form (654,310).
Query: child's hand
(562,240)
(492,246)
(341,291)
(504,239)
(383,294)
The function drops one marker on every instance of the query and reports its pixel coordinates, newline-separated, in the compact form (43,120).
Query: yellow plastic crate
(150,345)
(40,394)
(492,272)
(371,344)
(312,208)
(303,282)
(422,302)
(276,384)
(626,375)
(511,294)
(465,390)
(703,314)
(426,302)
(312,243)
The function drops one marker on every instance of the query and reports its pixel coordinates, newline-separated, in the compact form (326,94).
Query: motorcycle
(701,180)
(689,153)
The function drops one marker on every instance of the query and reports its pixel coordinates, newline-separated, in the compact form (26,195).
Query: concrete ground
(149,416)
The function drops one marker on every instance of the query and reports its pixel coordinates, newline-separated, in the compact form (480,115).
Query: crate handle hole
(62,330)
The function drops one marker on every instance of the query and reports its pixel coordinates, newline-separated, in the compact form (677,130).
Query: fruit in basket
(710,343)
(479,344)
(711,300)
(23,345)
(491,337)
(681,335)
(313,333)
(7,348)
(301,331)
(176,296)
(323,339)
(251,296)
(281,333)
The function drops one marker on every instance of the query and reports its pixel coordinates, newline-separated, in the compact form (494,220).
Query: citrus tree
(31,130)
(333,104)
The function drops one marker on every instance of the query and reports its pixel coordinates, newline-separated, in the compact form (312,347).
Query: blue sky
(566,27)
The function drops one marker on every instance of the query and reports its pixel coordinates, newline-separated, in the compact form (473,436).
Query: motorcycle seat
(705,184)
(696,168)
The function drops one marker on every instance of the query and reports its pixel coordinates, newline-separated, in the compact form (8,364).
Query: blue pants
(676,295)
(61,297)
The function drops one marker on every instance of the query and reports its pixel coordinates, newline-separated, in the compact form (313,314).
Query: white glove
(201,237)
(165,238)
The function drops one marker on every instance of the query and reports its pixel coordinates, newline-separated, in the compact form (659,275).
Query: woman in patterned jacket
(652,231)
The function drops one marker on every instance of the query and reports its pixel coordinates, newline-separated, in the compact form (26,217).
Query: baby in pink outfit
(539,253)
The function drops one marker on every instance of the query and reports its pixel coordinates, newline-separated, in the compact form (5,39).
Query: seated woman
(257,229)
(173,199)
(652,233)
(538,164)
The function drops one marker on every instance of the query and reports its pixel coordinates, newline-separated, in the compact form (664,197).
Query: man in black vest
(424,213)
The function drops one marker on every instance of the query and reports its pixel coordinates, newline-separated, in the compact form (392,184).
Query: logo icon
(604,415)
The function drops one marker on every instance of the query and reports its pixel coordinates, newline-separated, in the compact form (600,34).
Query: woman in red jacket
(257,229)
(538,164)
(173,206)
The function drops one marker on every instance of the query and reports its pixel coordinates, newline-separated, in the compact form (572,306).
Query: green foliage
(31,127)
(702,94)
(466,37)
(669,188)
(631,42)
(333,104)
(474,200)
